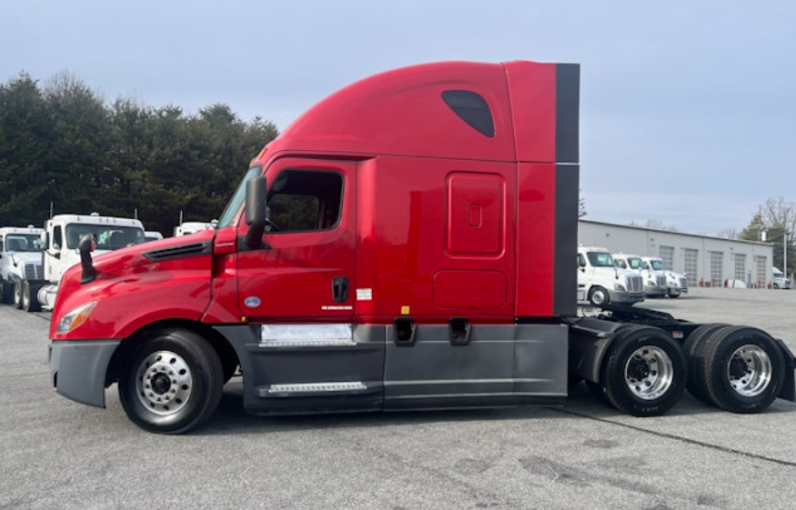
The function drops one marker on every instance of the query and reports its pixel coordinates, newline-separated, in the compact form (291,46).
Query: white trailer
(60,240)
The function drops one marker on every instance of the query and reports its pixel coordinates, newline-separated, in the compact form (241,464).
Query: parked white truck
(600,282)
(676,283)
(191,227)
(20,262)
(780,281)
(654,279)
(60,240)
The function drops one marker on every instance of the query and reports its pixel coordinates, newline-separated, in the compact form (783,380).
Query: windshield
(634,262)
(237,199)
(600,259)
(107,237)
(23,242)
(658,265)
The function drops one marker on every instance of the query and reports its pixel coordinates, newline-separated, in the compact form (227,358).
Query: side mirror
(256,214)
(44,239)
(85,248)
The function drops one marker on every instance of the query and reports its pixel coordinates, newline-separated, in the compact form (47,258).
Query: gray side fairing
(499,366)
(271,370)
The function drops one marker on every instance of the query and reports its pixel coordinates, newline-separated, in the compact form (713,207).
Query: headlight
(75,318)
(619,287)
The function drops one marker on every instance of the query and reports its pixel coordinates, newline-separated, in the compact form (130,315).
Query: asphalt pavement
(58,454)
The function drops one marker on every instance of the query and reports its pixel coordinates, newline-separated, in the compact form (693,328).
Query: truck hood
(25,257)
(168,278)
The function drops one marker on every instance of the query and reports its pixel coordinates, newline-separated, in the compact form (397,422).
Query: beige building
(704,260)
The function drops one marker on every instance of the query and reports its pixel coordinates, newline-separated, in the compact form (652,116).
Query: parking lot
(60,454)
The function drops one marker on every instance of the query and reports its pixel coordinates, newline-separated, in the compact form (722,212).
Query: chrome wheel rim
(17,294)
(649,373)
(749,370)
(598,297)
(164,383)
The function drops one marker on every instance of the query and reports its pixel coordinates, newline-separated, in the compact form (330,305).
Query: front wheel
(598,296)
(674,295)
(18,294)
(173,383)
(30,303)
(644,372)
(6,292)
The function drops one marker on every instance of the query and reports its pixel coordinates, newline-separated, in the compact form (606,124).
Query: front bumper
(625,298)
(78,368)
(654,290)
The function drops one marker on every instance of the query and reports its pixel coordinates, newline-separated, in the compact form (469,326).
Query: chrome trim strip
(321,387)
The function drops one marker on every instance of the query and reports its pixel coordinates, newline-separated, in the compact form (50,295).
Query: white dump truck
(600,282)
(20,263)
(60,240)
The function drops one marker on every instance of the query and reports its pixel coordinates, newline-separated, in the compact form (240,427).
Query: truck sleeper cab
(408,243)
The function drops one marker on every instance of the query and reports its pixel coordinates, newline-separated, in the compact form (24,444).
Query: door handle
(340,289)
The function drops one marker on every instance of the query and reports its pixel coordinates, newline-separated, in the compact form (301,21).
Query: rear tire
(644,372)
(742,369)
(693,348)
(173,382)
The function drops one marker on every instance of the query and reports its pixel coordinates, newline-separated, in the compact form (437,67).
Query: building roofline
(675,232)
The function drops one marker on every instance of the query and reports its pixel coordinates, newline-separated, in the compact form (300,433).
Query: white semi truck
(600,282)
(191,227)
(60,240)
(676,283)
(654,279)
(20,262)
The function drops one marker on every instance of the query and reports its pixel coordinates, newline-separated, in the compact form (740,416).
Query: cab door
(297,294)
(306,271)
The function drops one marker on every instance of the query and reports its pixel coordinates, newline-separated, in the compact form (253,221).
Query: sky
(688,108)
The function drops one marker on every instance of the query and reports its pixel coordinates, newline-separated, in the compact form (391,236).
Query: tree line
(65,150)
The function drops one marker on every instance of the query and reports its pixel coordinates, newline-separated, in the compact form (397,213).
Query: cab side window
(305,201)
(57,238)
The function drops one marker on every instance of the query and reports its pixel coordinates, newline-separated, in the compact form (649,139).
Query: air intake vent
(178,252)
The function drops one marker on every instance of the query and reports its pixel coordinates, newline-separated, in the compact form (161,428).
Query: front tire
(30,303)
(18,294)
(598,296)
(173,383)
(644,372)
(7,292)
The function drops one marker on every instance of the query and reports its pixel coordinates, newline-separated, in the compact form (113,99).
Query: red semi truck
(408,243)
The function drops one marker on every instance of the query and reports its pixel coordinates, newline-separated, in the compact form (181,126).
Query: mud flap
(788,391)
